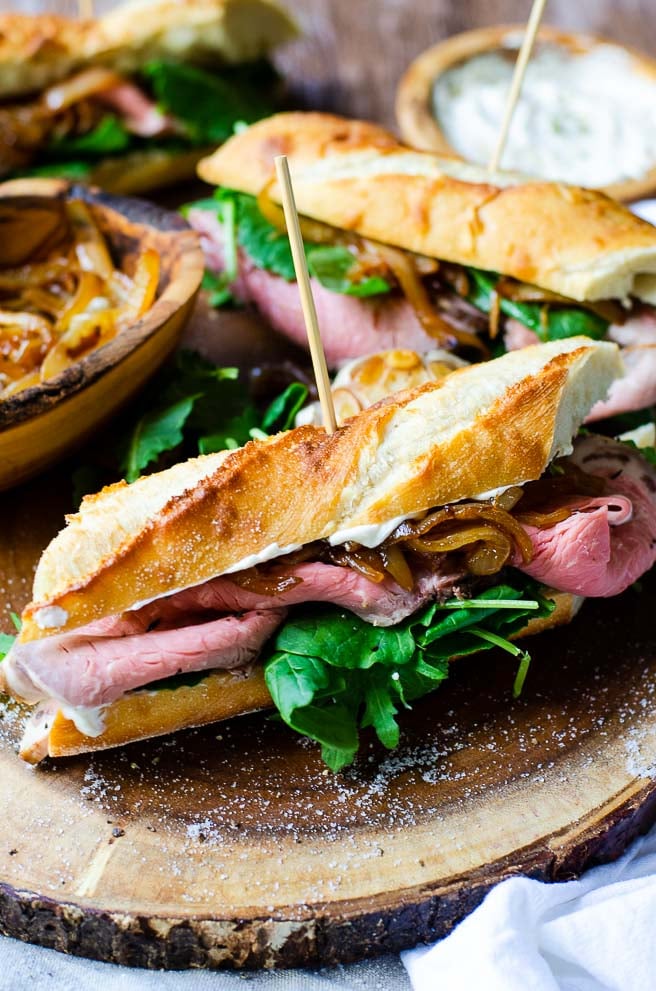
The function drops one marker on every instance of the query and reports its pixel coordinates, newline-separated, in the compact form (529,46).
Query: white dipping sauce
(585,119)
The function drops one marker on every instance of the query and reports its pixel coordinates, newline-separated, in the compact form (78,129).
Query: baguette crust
(36,51)
(489,425)
(357,176)
(220,696)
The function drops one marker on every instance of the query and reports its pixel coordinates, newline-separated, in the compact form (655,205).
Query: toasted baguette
(221,695)
(489,425)
(36,51)
(357,176)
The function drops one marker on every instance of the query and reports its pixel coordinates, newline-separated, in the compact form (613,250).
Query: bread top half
(486,426)
(36,51)
(356,176)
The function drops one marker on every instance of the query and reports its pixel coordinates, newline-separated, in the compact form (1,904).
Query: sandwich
(336,576)
(412,250)
(132,100)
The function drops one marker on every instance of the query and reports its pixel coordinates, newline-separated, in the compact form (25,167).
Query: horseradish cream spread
(587,119)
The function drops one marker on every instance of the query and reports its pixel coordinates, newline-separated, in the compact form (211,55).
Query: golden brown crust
(480,428)
(356,176)
(145,714)
(220,696)
(36,51)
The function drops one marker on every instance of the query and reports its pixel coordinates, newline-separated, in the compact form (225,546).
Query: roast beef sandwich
(335,576)
(132,100)
(411,250)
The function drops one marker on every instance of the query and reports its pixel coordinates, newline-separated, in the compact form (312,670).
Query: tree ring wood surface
(233,846)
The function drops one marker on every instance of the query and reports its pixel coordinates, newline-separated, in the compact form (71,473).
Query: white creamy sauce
(50,617)
(586,119)
(369,535)
(88,721)
(267,554)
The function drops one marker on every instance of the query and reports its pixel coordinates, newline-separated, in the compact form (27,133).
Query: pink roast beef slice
(636,389)
(601,549)
(100,662)
(81,669)
(351,327)
(139,113)
(381,604)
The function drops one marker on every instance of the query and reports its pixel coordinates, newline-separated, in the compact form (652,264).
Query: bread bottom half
(222,695)
(139,172)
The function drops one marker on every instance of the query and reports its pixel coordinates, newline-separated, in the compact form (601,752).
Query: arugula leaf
(281,414)
(110,135)
(330,673)
(76,171)
(209,104)
(217,286)
(6,643)
(269,247)
(330,264)
(561,321)
(156,432)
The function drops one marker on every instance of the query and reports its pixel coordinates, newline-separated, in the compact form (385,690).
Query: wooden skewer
(85,9)
(518,78)
(307,300)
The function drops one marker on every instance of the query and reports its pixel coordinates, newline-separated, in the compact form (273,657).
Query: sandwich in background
(132,100)
(412,250)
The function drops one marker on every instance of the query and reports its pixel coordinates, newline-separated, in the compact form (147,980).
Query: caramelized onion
(521,292)
(403,266)
(509,498)
(79,87)
(488,557)
(544,519)
(312,230)
(479,512)
(397,566)
(264,584)
(495,314)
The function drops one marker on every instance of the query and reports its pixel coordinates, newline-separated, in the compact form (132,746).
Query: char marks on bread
(480,428)
(356,176)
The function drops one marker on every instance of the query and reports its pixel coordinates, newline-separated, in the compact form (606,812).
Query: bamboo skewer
(518,78)
(305,290)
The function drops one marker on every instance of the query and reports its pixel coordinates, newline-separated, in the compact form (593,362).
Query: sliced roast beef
(100,662)
(381,604)
(138,112)
(353,326)
(603,547)
(636,389)
(637,339)
(83,669)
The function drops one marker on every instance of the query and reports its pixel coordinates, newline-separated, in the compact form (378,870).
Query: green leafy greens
(335,267)
(192,407)
(209,104)
(108,137)
(331,674)
(557,323)
(268,248)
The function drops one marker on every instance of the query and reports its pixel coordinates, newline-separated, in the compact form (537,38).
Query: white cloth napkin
(595,934)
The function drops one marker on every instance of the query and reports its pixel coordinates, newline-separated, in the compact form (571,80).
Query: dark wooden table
(354,51)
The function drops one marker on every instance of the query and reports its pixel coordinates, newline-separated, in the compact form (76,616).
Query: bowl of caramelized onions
(94,294)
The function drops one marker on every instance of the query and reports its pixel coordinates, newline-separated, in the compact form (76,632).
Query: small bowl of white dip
(586,114)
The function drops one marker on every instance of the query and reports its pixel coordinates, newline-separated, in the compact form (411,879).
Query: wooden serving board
(234,846)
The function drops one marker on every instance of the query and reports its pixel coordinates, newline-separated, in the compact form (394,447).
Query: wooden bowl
(414,104)
(41,424)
